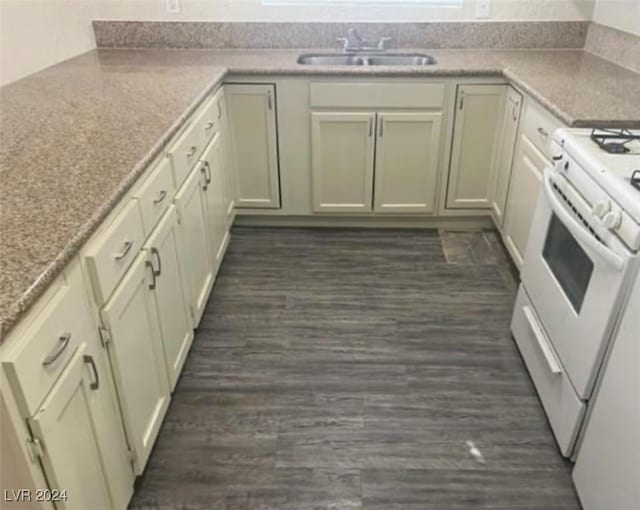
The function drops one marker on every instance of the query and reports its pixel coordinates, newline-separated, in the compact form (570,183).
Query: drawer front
(44,348)
(208,122)
(377,95)
(185,151)
(538,125)
(109,256)
(155,195)
(560,401)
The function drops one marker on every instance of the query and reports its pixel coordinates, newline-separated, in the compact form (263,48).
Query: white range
(582,256)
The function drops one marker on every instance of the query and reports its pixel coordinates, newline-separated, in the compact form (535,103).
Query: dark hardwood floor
(348,369)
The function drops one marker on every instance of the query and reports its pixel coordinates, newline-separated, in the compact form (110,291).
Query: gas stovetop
(616,141)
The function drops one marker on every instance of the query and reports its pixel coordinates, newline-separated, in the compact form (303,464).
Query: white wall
(35,34)
(620,14)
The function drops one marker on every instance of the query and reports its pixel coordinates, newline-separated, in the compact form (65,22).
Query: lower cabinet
(137,358)
(526,178)
(252,124)
(170,293)
(475,147)
(342,161)
(500,188)
(406,166)
(195,240)
(79,436)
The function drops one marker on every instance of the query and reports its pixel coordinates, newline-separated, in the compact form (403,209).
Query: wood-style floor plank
(357,369)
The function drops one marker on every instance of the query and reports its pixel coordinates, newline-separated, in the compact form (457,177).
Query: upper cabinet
(510,123)
(342,161)
(477,134)
(407,157)
(252,125)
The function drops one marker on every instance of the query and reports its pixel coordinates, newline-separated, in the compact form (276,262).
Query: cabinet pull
(152,285)
(219,110)
(209,125)
(161,196)
(461,99)
(192,151)
(207,172)
(269,101)
(156,254)
(543,132)
(514,112)
(203,171)
(96,378)
(64,342)
(125,249)
(381,127)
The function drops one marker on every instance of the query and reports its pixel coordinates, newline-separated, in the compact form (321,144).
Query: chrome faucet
(354,42)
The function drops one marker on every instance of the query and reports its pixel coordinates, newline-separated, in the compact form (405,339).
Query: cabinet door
(407,155)
(196,253)
(526,176)
(510,123)
(474,153)
(342,146)
(170,294)
(137,358)
(216,205)
(68,424)
(228,162)
(252,119)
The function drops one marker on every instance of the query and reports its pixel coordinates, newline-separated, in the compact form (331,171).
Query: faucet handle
(382,44)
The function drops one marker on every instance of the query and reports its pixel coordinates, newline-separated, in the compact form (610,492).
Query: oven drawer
(561,403)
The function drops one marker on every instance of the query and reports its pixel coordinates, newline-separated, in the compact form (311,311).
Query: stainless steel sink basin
(331,59)
(364,59)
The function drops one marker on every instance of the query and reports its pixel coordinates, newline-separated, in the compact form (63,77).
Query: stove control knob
(612,219)
(601,208)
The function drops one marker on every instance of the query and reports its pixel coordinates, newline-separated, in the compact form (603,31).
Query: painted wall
(35,34)
(620,14)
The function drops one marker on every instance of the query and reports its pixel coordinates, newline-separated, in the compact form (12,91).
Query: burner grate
(613,141)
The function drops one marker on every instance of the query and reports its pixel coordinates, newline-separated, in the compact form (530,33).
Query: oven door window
(568,262)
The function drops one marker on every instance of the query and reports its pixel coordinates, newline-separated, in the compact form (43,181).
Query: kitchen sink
(371,59)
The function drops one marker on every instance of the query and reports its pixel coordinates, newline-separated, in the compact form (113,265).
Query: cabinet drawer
(155,195)
(109,256)
(48,343)
(561,403)
(538,125)
(377,95)
(185,151)
(208,122)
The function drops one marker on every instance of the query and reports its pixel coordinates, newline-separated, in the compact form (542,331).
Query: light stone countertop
(75,137)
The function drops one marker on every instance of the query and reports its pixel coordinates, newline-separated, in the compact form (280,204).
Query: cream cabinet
(475,147)
(526,177)
(195,240)
(69,427)
(133,338)
(500,187)
(216,205)
(252,123)
(406,165)
(342,161)
(170,293)
(228,161)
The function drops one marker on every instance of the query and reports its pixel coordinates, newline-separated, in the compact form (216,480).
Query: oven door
(574,272)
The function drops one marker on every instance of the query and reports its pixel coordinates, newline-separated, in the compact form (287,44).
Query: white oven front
(575,273)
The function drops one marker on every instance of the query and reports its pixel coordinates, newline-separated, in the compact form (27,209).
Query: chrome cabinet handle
(543,132)
(203,171)
(269,101)
(64,342)
(148,263)
(207,172)
(156,254)
(209,125)
(381,127)
(161,196)
(461,99)
(126,248)
(514,112)
(219,110)
(192,151)
(96,378)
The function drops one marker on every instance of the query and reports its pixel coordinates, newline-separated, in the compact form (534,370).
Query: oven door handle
(606,254)
(543,341)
